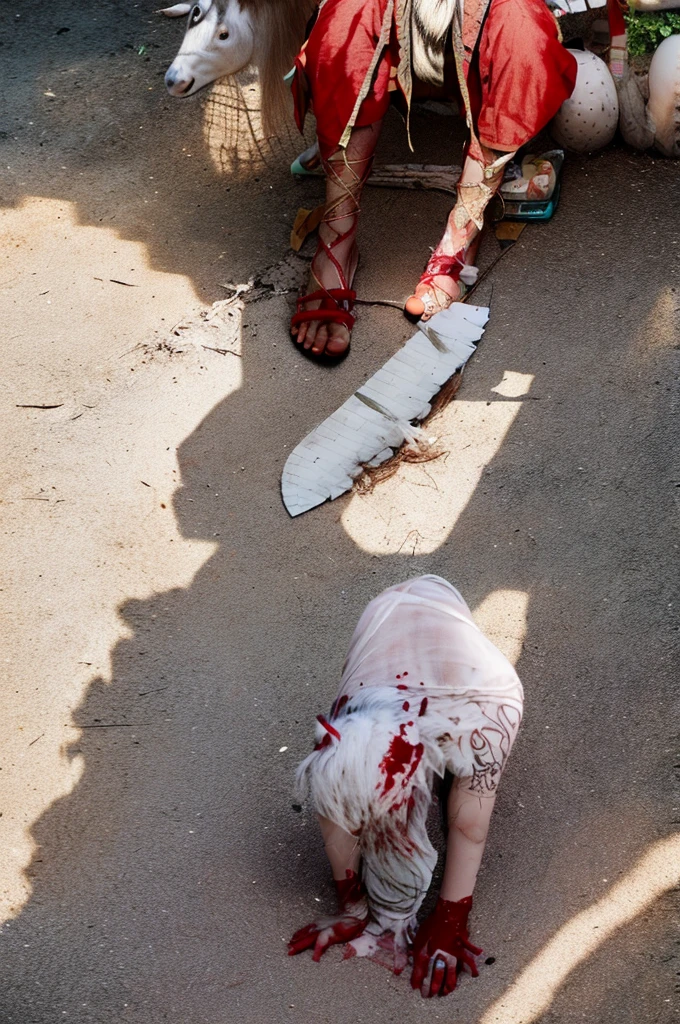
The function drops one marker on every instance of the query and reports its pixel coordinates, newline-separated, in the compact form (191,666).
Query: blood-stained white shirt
(419,637)
(422,691)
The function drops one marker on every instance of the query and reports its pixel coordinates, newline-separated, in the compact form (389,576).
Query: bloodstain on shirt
(402,758)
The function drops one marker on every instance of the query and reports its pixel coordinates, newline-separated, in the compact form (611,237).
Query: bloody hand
(441,947)
(345,926)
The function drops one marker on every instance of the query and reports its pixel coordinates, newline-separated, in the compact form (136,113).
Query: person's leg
(332,71)
(444,279)
(519,79)
(337,255)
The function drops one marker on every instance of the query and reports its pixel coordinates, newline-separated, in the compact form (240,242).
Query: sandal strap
(336,295)
(330,311)
(440,264)
(324,316)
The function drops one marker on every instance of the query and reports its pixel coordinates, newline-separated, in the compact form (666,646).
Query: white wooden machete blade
(375,419)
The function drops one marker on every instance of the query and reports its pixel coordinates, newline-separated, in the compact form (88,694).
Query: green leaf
(646,30)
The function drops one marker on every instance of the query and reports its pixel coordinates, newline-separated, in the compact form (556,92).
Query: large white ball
(664,96)
(588,119)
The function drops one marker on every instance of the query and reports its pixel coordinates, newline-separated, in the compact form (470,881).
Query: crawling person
(423,693)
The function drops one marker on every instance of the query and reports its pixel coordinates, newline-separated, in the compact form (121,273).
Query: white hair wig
(372,773)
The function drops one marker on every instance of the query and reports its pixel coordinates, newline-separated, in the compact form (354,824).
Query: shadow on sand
(165,883)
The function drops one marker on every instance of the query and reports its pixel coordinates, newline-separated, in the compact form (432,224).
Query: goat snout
(176,84)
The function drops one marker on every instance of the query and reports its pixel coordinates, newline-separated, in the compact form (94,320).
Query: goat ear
(178,11)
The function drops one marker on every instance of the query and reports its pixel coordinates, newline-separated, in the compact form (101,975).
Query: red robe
(516,70)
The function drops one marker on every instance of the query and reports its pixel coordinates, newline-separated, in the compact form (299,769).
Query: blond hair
(280,32)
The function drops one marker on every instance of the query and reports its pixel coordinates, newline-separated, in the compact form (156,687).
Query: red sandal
(336,305)
(441,264)
(336,308)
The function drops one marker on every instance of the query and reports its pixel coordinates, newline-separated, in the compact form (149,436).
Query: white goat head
(219,40)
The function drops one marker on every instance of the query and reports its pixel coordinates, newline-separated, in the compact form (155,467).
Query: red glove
(345,926)
(441,947)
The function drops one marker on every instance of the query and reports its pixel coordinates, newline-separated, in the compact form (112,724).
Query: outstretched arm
(441,945)
(469,816)
(342,850)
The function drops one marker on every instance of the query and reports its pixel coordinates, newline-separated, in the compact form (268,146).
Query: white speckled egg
(664,96)
(588,119)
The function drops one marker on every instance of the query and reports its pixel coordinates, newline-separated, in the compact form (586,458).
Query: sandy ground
(169,633)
